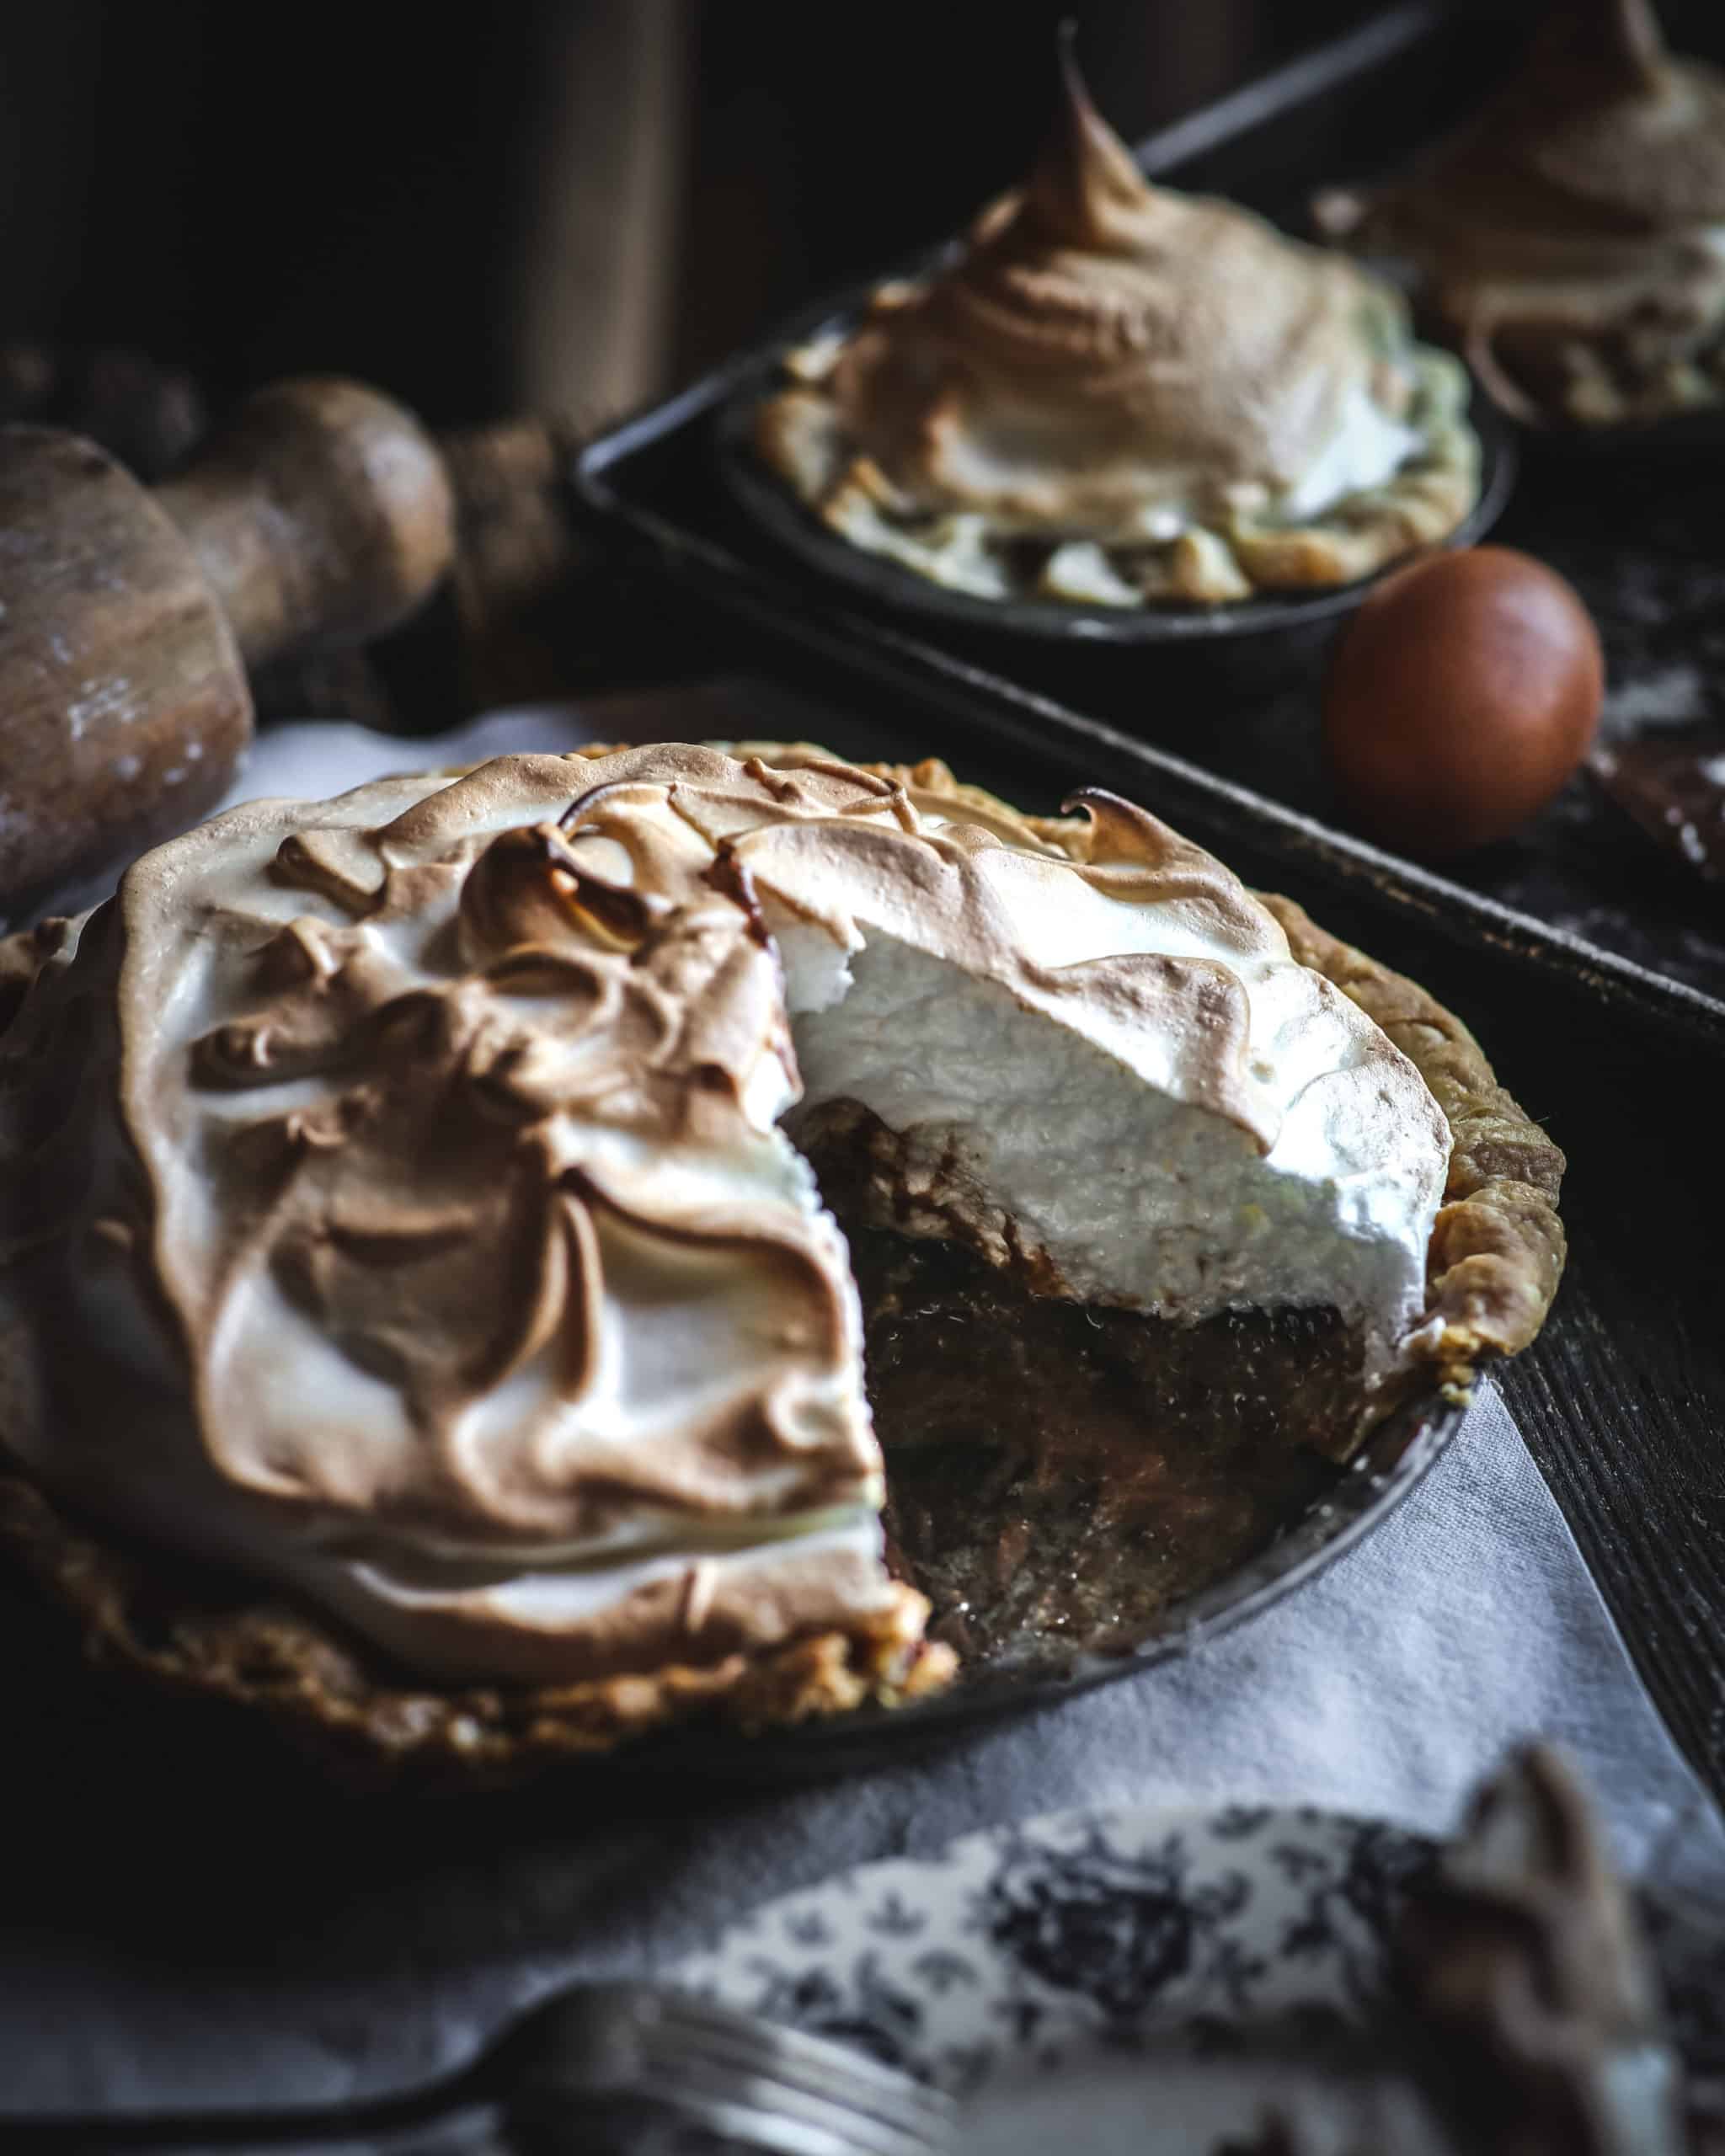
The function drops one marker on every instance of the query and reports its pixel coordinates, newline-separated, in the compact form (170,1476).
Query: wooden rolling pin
(320,516)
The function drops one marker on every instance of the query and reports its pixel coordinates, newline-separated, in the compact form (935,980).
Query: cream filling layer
(1367,449)
(1134,1198)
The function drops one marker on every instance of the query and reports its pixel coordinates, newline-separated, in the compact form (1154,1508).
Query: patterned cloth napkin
(361,1953)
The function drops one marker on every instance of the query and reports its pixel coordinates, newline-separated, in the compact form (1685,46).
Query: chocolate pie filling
(1064,1471)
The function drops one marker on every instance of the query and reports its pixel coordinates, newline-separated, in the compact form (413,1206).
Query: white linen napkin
(1466,1623)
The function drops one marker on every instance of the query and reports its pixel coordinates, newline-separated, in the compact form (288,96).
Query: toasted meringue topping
(1112,365)
(1104,351)
(398,1205)
(1573,235)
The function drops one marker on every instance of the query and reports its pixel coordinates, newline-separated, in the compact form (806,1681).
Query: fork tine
(689,2011)
(613,2039)
(817,2063)
(685,2078)
(930,2127)
(906,2123)
(591,2029)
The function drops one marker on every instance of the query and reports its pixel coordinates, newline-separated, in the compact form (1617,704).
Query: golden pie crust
(332,1696)
(1496,1256)
(798,436)
(1497,1244)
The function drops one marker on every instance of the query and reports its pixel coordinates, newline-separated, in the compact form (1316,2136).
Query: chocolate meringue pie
(1115,394)
(408,1213)
(1570,240)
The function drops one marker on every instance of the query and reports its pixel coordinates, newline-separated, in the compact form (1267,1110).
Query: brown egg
(1462,696)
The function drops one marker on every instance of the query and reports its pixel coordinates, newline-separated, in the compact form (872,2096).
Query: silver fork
(663,2058)
(734,2074)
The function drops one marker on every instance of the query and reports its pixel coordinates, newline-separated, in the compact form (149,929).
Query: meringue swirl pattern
(402,1203)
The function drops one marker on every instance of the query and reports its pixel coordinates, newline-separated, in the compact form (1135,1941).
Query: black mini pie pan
(1260,632)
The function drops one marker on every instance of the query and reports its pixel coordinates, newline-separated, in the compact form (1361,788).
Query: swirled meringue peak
(401,1201)
(1572,236)
(1160,389)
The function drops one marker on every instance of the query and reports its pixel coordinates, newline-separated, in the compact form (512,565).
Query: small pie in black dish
(1115,405)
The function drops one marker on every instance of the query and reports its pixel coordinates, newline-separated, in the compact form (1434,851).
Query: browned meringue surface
(396,1208)
(449,1178)
(1116,393)
(1571,239)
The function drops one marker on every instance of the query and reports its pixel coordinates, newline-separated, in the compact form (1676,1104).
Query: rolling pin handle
(321,514)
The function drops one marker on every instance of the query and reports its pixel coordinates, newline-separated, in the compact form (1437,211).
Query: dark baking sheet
(1214,737)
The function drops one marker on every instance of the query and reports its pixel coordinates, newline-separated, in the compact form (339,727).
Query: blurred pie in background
(1570,240)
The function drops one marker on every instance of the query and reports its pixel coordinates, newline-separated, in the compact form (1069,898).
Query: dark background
(562,203)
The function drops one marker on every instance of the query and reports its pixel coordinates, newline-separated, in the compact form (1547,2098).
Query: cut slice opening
(1063,1472)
